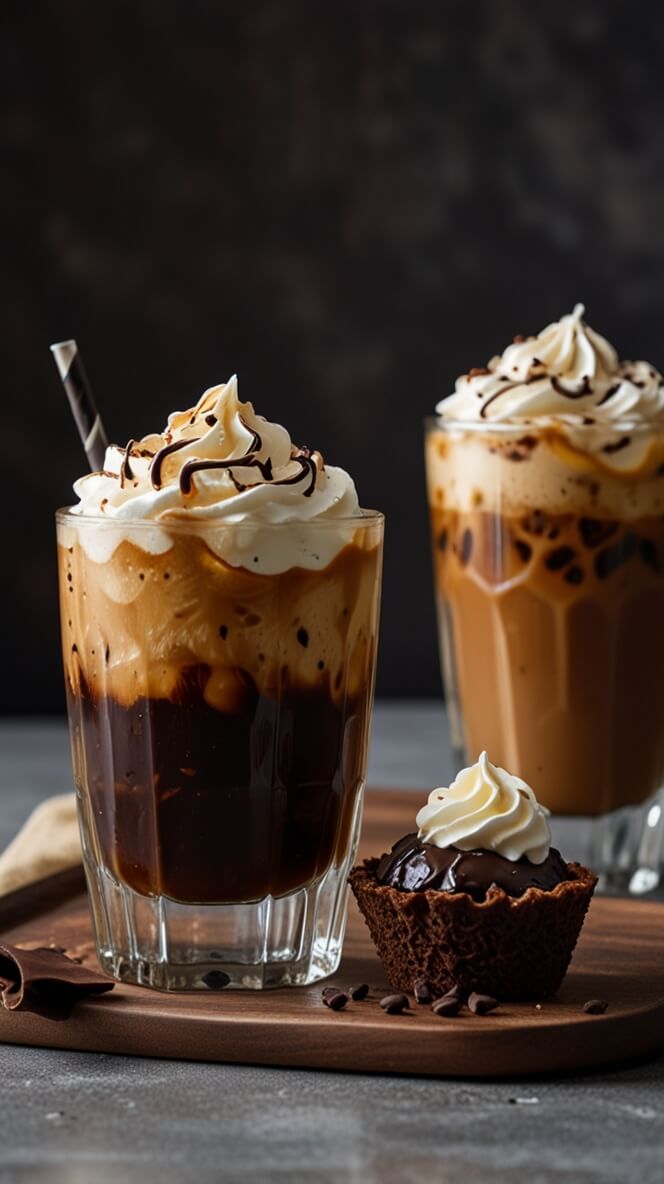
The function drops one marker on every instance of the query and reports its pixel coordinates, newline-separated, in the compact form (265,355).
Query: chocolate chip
(482,1004)
(574,575)
(359,992)
(223,632)
(446,1005)
(559,558)
(523,550)
(216,980)
(595,1006)
(210,420)
(335,1000)
(303,637)
(421,991)
(594,531)
(611,558)
(394,1004)
(466,548)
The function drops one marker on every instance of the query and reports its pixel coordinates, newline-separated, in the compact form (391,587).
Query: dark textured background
(347,203)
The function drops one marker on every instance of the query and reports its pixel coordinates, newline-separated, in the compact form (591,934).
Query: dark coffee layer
(414,866)
(209,806)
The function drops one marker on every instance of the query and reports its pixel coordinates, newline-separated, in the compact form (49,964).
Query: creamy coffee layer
(135,625)
(517,470)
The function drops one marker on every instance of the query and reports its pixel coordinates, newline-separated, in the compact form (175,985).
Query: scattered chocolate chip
(559,558)
(421,991)
(359,992)
(523,550)
(303,637)
(574,575)
(595,1006)
(210,420)
(482,1004)
(335,1000)
(223,632)
(594,531)
(611,558)
(446,1005)
(466,548)
(394,1004)
(216,980)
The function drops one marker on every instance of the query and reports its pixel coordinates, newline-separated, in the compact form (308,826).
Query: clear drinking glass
(549,577)
(219,723)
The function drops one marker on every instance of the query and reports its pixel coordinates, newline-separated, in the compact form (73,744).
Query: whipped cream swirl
(221,461)
(489,809)
(567,371)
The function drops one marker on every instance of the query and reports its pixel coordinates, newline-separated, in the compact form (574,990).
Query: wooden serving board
(620,957)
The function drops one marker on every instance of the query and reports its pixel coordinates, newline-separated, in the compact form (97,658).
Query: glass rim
(534,426)
(69,515)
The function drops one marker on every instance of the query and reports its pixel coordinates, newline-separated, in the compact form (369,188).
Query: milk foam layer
(556,423)
(220,461)
(487,808)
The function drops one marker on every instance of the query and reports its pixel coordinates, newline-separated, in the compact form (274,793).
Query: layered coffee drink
(219,607)
(546,493)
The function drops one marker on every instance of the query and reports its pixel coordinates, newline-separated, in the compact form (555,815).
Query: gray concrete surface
(82,1118)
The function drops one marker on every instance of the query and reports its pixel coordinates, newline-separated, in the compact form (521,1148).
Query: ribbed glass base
(157,942)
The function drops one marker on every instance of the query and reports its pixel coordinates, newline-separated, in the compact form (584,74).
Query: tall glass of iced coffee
(545,476)
(219,594)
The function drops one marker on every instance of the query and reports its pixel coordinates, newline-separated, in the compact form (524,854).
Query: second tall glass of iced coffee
(219,594)
(546,491)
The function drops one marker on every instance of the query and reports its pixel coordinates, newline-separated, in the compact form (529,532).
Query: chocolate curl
(78,390)
(46,982)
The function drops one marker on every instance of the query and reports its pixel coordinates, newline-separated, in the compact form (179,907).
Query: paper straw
(75,381)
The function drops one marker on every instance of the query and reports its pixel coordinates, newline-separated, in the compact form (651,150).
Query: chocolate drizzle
(578,393)
(126,471)
(307,460)
(155,467)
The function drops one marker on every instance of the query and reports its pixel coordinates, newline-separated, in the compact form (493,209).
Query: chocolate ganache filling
(415,866)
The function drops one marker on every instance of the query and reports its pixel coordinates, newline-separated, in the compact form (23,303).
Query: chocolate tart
(511,947)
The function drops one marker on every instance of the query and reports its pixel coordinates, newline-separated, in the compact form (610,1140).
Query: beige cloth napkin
(47,842)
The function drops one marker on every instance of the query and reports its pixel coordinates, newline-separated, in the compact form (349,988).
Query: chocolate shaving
(46,982)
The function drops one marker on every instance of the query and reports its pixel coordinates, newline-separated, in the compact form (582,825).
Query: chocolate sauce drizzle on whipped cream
(309,464)
(567,376)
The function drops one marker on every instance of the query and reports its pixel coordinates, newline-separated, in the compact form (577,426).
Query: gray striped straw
(75,381)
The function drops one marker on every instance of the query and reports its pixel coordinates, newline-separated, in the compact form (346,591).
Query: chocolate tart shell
(508,947)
